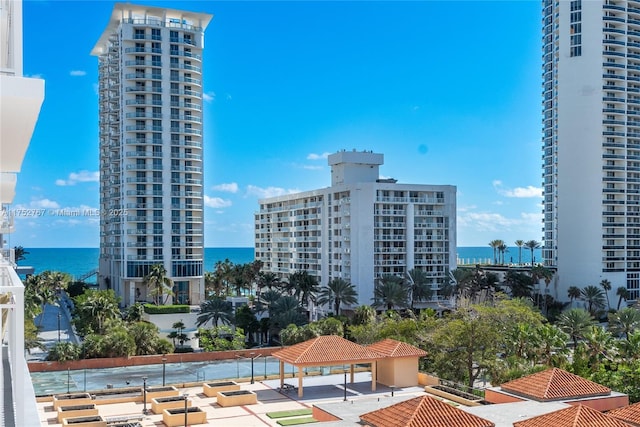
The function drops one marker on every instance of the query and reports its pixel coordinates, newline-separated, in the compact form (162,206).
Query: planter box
(457,396)
(161,391)
(175,417)
(211,389)
(119,395)
(236,398)
(94,421)
(71,399)
(76,411)
(159,404)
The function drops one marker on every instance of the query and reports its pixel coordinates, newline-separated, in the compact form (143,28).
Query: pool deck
(326,391)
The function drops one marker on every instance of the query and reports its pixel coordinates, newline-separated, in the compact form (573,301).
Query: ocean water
(79,261)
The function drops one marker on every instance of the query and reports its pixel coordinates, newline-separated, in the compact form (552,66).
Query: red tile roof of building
(326,349)
(574,416)
(423,411)
(630,414)
(392,348)
(554,384)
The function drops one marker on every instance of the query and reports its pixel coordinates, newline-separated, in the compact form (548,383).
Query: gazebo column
(281,373)
(351,372)
(299,381)
(373,375)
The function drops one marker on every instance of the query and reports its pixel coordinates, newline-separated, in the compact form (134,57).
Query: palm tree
(364,315)
(336,292)
(223,272)
(606,285)
(532,245)
(286,311)
(494,245)
(100,308)
(521,284)
(502,248)
(552,343)
(594,297)
(267,280)
(215,309)
(390,292)
(625,321)
(575,323)
(213,284)
(159,283)
(19,253)
(573,293)
(622,294)
(419,286)
(519,244)
(303,286)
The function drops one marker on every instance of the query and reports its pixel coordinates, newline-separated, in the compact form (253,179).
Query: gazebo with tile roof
(399,367)
(326,350)
(629,414)
(575,416)
(424,411)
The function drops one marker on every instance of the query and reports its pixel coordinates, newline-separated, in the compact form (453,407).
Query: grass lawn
(292,413)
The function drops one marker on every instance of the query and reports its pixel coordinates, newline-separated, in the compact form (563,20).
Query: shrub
(166,309)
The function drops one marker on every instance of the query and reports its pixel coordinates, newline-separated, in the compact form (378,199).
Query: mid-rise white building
(360,228)
(151,176)
(20,102)
(591,143)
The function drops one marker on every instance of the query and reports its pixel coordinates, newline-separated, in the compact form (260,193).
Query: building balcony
(138,63)
(155,154)
(143,115)
(185,67)
(143,102)
(143,76)
(145,89)
(186,117)
(185,54)
(189,131)
(190,105)
(145,128)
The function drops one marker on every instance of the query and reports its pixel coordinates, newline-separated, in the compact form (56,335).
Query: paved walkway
(50,331)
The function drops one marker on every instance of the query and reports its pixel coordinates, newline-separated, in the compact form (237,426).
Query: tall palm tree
(390,292)
(336,292)
(213,284)
(622,294)
(286,311)
(502,248)
(267,280)
(223,270)
(606,285)
(532,245)
(101,308)
(594,297)
(494,245)
(575,323)
(573,293)
(215,309)
(419,286)
(519,244)
(552,343)
(303,286)
(364,315)
(19,253)
(625,321)
(159,283)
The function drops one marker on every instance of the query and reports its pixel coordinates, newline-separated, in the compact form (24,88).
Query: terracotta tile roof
(554,384)
(326,349)
(424,411)
(574,416)
(630,414)
(393,348)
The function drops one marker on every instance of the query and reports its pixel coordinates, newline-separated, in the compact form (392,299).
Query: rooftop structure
(591,143)
(360,229)
(20,102)
(151,154)
(574,416)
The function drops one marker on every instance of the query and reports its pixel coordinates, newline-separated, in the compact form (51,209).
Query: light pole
(144,395)
(345,385)
(58,324)
(252,357)
(164,369)
(68,380)
(186,395)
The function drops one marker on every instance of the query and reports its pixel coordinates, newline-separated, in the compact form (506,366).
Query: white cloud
(495,222)
(77,73)
(312,167)
(82,176)
(44,203)
(265,193)
(34,76)
(230,187)
(314,156)
(209,96)
(518,192)
(216,202)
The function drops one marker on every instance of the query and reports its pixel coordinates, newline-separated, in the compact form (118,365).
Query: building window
(576,51)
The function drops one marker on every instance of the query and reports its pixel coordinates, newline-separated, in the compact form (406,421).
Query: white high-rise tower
(151,195)
(591,143)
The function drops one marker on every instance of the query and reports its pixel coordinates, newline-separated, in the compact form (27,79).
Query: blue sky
(448,91)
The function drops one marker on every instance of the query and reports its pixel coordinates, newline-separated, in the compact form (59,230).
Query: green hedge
(166,309)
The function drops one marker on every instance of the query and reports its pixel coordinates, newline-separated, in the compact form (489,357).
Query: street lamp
(144,395)
(186,395)
(345,385)
(164,369)
(58,325)
(252,357)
